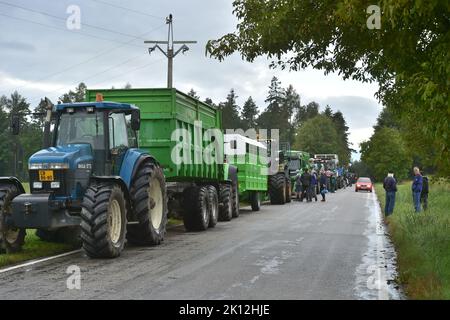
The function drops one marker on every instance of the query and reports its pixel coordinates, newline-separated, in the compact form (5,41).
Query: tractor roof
(97,105)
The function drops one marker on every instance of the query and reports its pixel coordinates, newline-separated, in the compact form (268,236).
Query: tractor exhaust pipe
(47,123)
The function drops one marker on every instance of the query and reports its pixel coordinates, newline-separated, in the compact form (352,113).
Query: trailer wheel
(288,191)
(255,201)
(149,198)
(213,206)
(235,198)
(103,221)
(11,239)
(277,189)
(226,206)
(197,214)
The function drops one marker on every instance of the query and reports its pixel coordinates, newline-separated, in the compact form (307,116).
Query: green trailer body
(162,112)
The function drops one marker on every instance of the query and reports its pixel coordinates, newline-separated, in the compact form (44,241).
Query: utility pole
(170,53)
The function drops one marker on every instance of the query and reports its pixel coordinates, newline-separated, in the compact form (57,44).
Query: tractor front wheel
(277,189)
(103,221)
(11,239)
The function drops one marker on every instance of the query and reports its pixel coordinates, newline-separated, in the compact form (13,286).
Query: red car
(364,184)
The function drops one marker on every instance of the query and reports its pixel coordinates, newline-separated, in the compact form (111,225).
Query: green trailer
(250,157)
(180,132)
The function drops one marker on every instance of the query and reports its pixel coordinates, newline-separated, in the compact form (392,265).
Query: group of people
(419,190)
(306,184)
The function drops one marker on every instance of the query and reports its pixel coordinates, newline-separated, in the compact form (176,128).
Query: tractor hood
(68,156)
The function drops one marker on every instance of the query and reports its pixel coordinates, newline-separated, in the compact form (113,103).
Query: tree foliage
(75,96)
(249,114)
(386,152)
(409,57)
(230,112)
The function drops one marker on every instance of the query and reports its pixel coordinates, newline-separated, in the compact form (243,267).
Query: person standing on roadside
(390,185)
(312,188)
(298,186)
(323,184)
(417,188)
(424,193)
(306,182)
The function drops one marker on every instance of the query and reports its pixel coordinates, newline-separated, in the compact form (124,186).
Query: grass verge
(422,241)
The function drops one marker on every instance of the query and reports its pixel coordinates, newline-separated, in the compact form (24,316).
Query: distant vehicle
(364,184)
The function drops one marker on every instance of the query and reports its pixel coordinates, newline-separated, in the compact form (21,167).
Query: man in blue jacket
(417,188)
(390,185)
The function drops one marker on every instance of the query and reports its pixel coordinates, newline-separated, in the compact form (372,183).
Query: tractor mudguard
(13,181)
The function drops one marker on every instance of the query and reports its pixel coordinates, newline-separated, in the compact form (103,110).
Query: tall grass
(422,241)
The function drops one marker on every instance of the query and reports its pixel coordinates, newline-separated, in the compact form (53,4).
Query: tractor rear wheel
(213,206)
(255,200)
(197,214)
(277,189)
(103,221)
(226,206)
(11,239)
(149,199)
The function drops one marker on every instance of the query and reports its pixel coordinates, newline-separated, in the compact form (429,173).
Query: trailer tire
(103,221)
(213,206)
(226,206)
(277,189)
(197,214)
(11,239)
(255,200)
(149,200)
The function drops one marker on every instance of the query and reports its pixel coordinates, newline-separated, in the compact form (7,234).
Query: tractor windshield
(81,127)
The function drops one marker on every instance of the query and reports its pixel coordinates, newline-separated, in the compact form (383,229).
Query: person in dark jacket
(306,182)
(323,185)
(312,187)
(416,188)
(424,193)
(390,185)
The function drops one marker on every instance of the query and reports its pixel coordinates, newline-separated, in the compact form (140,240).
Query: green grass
(34,248)
(422,241)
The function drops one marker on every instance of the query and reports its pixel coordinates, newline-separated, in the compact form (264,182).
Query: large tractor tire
(213,206)
(11,239)
(103,221)
(70,235)
(288,191)
(149,199)
(235,198)
(226,205)
(197,214)
(255,200)
(277,189)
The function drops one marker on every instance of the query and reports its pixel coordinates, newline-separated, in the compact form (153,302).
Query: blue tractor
(92,178)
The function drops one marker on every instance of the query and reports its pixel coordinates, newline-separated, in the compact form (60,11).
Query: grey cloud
(17,46)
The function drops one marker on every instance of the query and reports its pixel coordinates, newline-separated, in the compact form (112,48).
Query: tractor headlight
(37,185)
(55,185)
(40,166)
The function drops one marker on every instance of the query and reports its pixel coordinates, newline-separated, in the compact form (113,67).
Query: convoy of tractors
(112,172)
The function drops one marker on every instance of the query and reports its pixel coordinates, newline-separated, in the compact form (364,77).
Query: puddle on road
(376,275)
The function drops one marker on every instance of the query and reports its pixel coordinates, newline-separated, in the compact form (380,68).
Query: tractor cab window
(81,127)
(132,135)
(118,136)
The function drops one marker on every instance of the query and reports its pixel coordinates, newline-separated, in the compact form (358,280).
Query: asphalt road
(332,250)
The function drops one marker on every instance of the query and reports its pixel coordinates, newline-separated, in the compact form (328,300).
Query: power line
(127,9)
(64,19)
(65,30)
(89,59)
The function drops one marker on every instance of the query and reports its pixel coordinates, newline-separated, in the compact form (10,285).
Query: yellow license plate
(46,175)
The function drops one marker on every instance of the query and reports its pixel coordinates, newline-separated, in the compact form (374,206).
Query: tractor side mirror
(136,120)
(15,125)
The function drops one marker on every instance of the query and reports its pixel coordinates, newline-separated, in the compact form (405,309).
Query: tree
(16,105)
(328,112)
(344,151)
(408,57)
(128,86)
(249,114)
(386,152)
(317,135)
(192,93)
(272,117)
(230,112)
(78,95)
(307,112)
(360,169)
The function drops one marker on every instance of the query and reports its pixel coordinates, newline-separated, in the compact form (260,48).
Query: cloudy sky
(40,56)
